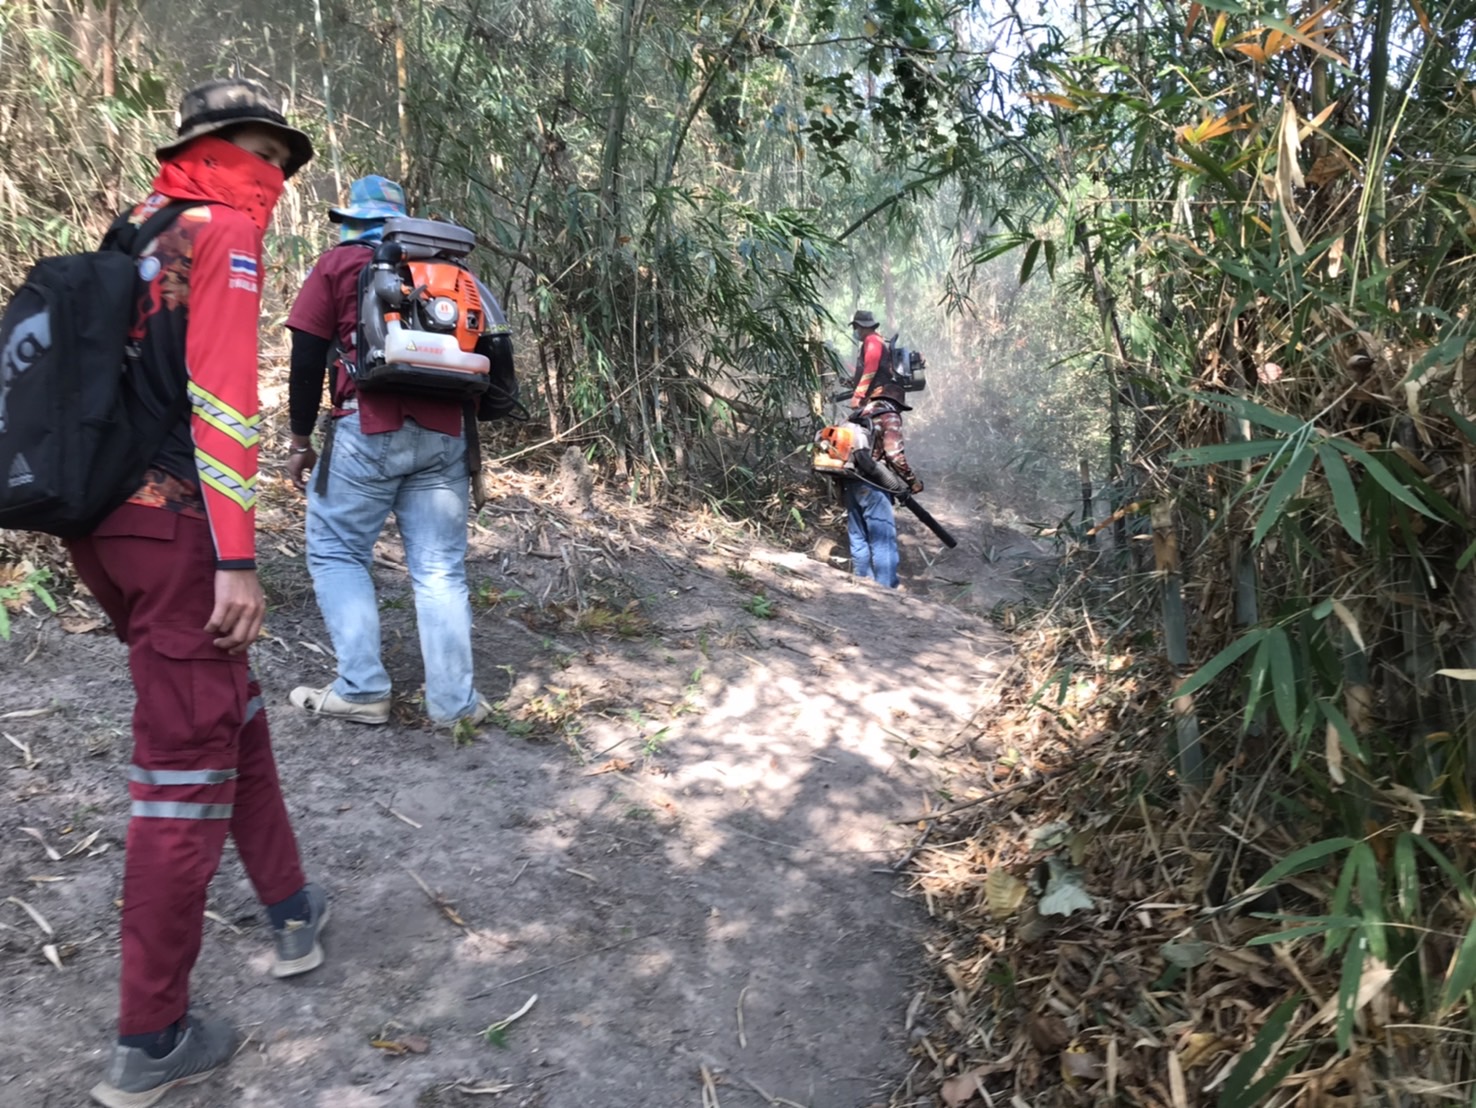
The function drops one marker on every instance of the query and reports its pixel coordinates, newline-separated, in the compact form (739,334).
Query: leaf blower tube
(880,476)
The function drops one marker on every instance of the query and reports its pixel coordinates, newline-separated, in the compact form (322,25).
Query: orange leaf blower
(846,452)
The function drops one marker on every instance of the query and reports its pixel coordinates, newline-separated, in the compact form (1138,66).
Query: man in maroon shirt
(392,452)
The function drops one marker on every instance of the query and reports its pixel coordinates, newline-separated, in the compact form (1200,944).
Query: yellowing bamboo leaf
(1004,893)
(1288,154)
(1372,981)
(1251,50)
(1056,99)
(1424,19)
(1316,122)
(1350,621)
(1333,747)
(1217,35)
(1458,674)
(1195,11)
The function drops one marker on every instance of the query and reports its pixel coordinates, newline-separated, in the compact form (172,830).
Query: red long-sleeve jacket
(199,298)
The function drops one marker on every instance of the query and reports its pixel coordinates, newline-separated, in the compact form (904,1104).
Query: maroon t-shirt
(327,307)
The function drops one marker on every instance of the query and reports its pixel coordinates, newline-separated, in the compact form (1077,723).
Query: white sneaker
(326,702)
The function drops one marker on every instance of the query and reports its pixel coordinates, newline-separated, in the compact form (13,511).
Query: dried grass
(1151,997)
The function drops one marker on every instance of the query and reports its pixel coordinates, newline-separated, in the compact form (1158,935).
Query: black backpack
(73,444)
(908,366)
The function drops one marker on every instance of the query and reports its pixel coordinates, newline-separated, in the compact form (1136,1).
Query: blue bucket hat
(371,198)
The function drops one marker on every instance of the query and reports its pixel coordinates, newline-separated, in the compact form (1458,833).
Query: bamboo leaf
(1461,973)
(1344,493)
(1256,675)
(1406,876)
(1225,452)
(1256,413)
(1304,859)
(1349,621)
(1242,1089)
(1283,678)
(1379,473)
(1339,722)
(1216,665)
(1319,926)
(1458,674)
(1281,491)
(1348,983)
(1447,867)
(1027,265)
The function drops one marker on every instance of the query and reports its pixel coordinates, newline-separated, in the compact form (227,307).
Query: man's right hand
(240,609)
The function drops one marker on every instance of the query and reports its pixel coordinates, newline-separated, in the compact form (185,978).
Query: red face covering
(213,168)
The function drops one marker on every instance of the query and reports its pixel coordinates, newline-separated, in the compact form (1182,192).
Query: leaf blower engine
(424,324)
(846,451)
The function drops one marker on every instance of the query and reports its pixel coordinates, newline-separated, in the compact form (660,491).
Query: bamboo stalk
(328,98)
(1192,771)
(1086,502)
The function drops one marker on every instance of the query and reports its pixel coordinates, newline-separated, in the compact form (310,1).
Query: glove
(916,485)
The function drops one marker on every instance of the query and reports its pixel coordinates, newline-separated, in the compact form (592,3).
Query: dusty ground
(679,839)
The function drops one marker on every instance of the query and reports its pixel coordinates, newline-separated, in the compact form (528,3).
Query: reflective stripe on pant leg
(260,825)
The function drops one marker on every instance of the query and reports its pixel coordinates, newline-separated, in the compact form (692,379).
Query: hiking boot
(136,1081)
(326,702)
(298,949)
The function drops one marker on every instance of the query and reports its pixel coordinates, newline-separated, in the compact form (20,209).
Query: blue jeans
(873,532)
(421,476)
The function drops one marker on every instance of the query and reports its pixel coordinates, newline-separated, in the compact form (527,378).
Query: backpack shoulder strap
(131,238)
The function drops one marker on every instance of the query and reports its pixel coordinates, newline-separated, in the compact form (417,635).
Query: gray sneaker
(136,1081)
(298,949)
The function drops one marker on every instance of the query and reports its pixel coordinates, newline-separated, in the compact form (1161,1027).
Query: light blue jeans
(873,532)
(420,475)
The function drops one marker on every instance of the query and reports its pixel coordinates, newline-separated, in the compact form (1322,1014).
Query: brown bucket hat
(864,319)
(229,102)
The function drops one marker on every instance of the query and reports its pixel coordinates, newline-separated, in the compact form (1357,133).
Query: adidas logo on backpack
(20,472)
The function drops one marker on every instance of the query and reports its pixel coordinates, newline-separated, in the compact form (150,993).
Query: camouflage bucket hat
(229,102)
(371,198)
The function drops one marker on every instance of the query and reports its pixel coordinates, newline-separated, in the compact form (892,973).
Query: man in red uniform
(871,524)
(175,569)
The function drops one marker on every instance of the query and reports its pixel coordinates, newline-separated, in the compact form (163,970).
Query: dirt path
(679,838)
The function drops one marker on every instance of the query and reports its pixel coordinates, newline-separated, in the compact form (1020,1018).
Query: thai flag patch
(242,265)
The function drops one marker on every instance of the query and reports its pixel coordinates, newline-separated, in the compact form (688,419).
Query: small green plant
(601,618)
(760,606)
(28,582)
(655,742)
(464,733)
(690,694)
(488,595)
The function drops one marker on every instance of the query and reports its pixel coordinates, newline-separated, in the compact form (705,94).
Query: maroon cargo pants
(202,754)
